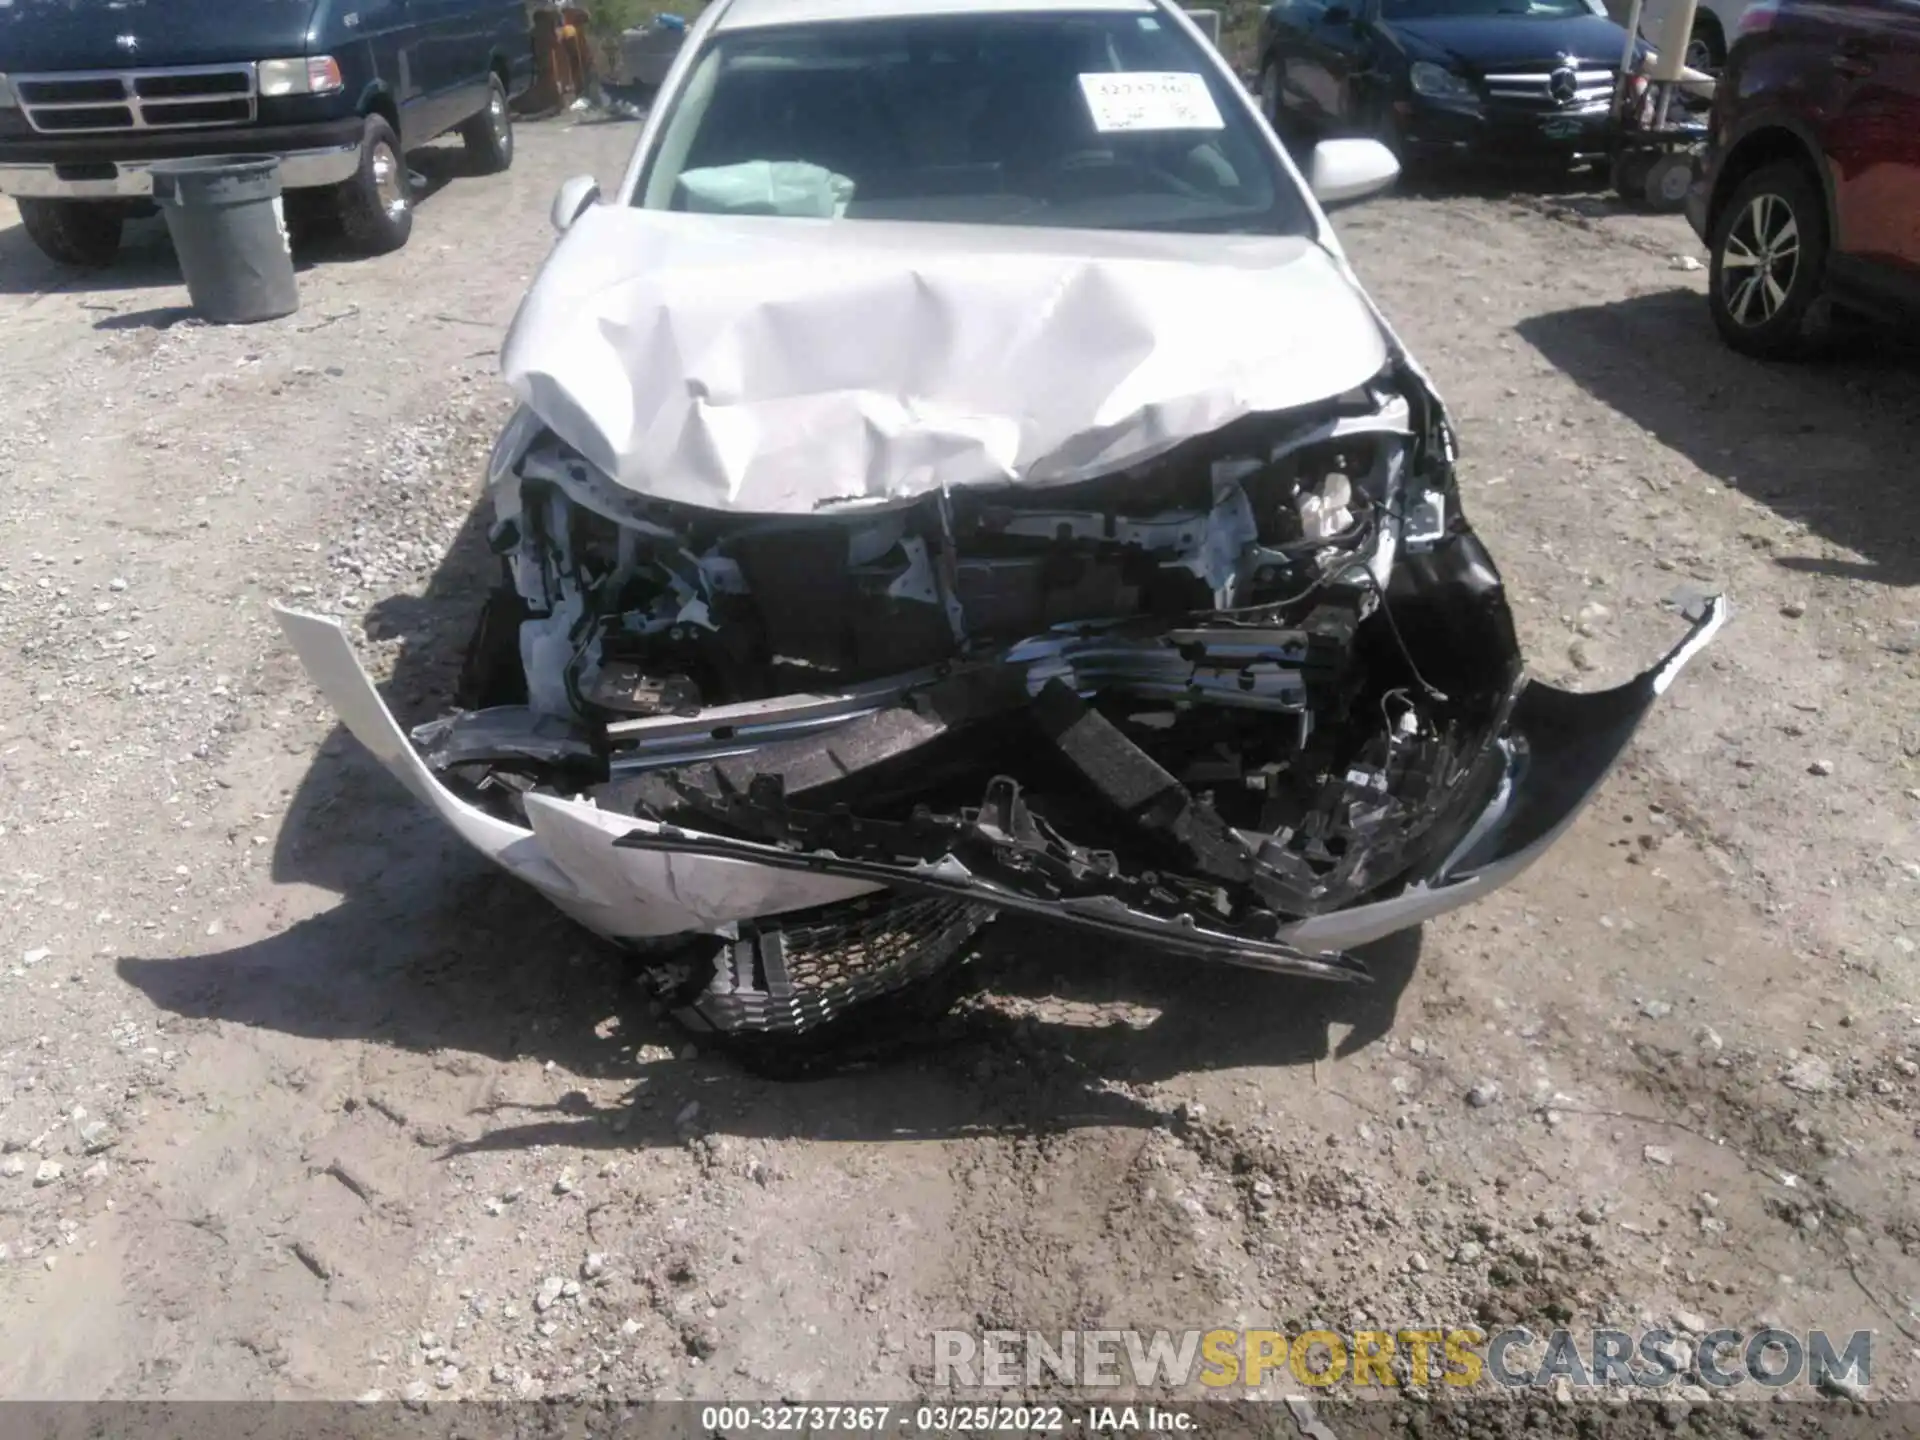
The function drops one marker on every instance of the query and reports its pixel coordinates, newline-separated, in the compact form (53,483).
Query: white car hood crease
(783,366)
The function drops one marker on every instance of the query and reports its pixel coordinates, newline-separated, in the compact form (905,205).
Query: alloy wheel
(390,181)
(1760,260)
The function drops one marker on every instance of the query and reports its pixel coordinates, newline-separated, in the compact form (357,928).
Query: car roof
(755,14)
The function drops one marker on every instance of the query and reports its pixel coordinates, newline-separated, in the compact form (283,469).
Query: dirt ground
(306,1102)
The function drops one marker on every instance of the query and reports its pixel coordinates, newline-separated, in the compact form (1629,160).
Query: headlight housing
(1436,82)
(307,75)
(6,94)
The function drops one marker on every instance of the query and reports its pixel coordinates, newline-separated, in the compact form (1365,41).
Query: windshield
(1101,120)
(1449,9)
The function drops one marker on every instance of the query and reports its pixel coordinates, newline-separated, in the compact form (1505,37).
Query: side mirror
(575,196)
(1344,170)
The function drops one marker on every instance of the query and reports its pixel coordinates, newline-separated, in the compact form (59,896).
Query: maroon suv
(1811,185)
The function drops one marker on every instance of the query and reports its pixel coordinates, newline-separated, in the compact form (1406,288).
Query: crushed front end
(1256,700)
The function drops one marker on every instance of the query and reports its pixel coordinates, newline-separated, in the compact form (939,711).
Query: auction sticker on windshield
(1150,100)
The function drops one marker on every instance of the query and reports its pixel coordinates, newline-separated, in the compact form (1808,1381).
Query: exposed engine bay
(1250,681)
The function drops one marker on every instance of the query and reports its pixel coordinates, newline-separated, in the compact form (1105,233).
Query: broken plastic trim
(588,861)
(1556,749)
(983,855)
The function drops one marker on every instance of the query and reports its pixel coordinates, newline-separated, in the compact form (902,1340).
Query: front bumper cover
(1505,133)
(119,166)
(636,880)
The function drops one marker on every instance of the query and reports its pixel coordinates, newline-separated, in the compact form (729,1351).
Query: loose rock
(1483,1093)
(1809,1075)
(97,1135)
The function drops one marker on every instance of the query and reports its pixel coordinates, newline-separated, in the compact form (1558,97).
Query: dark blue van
(92,92)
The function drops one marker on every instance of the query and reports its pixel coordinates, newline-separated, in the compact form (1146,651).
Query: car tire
(1628,175)
(1706,48)
(1666,183)
(488,135)
(81,233)
(1768,257)
(376,205)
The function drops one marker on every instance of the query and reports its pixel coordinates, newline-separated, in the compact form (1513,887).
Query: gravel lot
(302,1101)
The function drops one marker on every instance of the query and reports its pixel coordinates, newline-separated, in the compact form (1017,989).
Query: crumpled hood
(775,366)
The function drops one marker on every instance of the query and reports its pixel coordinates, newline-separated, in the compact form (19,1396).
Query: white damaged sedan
(958,473)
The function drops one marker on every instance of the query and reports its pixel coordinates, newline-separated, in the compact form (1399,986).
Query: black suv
(92,93)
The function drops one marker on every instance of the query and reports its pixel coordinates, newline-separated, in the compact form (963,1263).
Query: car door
(1308,75)
(512,31)
(1287,24)
(411,55)
(1348,45)
(1873,142)
(446,33)
(468,30)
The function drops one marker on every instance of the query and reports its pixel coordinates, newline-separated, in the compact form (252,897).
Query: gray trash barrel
(230,232)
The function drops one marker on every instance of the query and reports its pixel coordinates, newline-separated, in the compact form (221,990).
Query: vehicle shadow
(432,949)
(146,260)
(1822,444)
(1051,1033)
